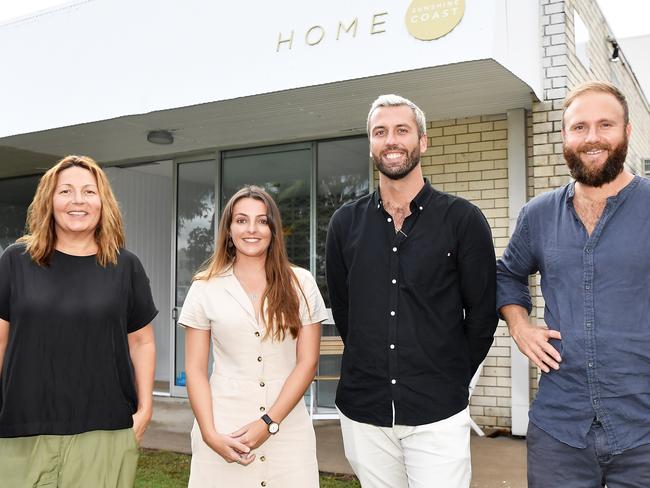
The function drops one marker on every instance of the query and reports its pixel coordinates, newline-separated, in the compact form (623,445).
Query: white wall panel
(146,202)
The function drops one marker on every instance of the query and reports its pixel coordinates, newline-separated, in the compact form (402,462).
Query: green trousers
(97,459)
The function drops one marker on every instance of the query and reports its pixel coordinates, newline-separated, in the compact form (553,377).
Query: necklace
(252,295)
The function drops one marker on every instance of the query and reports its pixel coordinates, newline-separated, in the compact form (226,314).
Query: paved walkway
(496,463)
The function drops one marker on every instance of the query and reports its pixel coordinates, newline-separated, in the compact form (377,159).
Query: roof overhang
(331,110)
(94,77)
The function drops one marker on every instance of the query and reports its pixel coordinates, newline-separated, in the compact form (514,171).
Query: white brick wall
(563,70)
(468,157)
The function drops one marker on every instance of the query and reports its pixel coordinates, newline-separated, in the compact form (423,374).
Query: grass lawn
(163,469)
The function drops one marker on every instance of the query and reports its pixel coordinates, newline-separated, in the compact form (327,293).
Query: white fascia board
(108,58)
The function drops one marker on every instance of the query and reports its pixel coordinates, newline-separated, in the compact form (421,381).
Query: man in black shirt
(412,280)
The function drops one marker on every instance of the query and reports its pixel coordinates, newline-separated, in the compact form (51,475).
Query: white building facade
(184,102)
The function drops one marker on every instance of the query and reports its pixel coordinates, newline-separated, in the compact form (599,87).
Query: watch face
(273,427)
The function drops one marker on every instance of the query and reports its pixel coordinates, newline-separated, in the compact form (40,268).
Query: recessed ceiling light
(160,137)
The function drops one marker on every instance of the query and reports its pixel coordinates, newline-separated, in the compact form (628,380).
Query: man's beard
(400,171)
(597,176)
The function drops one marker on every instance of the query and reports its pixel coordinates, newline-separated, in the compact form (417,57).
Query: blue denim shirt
(597,294)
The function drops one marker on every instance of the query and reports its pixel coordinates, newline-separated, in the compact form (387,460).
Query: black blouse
(67,367)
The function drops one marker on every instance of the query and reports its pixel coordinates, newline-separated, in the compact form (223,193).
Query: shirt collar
(417,204)
(227,271)
(571,190)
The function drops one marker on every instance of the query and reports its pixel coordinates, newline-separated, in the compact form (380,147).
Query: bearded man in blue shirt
(589,424)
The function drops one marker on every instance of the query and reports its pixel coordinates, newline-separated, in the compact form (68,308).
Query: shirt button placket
(392,313)
(588,263)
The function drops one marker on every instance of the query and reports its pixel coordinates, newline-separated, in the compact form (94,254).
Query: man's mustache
(594,146)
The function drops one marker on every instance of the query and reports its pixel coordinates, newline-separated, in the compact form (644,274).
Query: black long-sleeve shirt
(415,308)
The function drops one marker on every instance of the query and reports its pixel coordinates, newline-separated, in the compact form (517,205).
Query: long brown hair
(40,239)
(282,286)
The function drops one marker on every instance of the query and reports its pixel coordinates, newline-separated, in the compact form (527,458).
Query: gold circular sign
(431,19)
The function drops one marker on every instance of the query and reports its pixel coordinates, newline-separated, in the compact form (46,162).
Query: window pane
(343,176)
(194,237)
(15,196)
(285,174)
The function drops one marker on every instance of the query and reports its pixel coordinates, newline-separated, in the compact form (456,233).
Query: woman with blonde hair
(77,351)
(263,318)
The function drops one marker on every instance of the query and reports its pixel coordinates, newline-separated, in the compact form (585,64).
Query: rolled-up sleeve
(193,312)
(518,262)
(312,306)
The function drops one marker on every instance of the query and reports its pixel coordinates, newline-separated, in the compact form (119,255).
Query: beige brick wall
(602,68)
(468,157)
(533,281)
(490,404)
(563,70)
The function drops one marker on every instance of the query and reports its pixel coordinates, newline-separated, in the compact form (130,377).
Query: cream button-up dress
(247,376)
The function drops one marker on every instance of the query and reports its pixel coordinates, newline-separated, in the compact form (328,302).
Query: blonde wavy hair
(282,285)
(40,238)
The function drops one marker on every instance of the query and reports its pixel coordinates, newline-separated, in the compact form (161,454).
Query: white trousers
(435,455)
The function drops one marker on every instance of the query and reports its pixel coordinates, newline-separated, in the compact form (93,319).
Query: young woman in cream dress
(263,317)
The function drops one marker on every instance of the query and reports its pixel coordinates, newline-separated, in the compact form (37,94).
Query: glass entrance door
(195,230)
(308,181)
